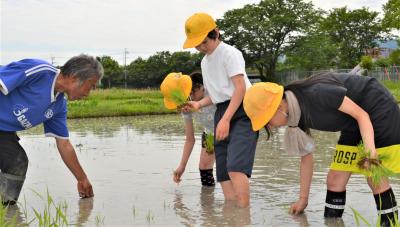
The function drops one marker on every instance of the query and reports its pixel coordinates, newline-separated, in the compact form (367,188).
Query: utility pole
(52,60)
(125,53)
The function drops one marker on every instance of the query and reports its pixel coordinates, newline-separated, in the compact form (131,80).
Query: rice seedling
(149,217)
(209,143)
(178,98)
(372,167)
(358,217)
(25,212)
(134,211)
(99,220)
(5,220)
(47,218)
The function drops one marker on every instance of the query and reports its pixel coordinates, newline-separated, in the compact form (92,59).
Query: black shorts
(13,159)
(235,153)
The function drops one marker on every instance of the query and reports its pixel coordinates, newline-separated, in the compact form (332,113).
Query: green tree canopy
(264,31)
(150,72)
(353,31)
(313,52)
(112,71)
(395,57)
(392,14)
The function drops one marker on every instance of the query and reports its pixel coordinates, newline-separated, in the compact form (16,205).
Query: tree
(313,52)
(150,72)
(264,31)
(185,62)
(392,14)
(353,32)
(136,71)
(112,70)
(366,62)
(395,57)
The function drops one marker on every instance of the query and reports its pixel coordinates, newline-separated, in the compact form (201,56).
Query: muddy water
(130,160)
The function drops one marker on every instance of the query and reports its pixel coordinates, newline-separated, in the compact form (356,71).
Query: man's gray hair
(83,67)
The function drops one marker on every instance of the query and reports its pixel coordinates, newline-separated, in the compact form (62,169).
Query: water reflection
(301,219)
(187,216)
(110,126)
(210,213)
(134,156)
(334,222)
(85,209)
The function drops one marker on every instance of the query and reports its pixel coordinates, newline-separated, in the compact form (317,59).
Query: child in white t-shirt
(225,80)
(205,118)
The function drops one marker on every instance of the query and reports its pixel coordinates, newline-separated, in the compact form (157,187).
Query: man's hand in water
(85,188)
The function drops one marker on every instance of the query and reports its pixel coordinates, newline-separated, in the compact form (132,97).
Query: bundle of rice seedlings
(210,143)
(372,167)
(178,98)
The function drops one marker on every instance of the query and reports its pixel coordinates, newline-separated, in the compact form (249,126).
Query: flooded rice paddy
(129,161)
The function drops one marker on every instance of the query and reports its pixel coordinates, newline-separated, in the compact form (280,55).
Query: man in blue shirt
(32,92)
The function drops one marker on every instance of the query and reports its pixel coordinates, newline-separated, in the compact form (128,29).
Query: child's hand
(367,163)
(177,174)
(222,130)
(298,207)
(185,108)
(191,106)
(374,155)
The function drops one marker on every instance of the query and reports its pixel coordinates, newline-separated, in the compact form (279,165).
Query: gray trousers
(13,167)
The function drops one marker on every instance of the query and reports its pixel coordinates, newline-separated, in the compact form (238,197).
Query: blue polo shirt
(28,98)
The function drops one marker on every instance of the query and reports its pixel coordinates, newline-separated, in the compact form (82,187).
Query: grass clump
(5,220)
(47,218)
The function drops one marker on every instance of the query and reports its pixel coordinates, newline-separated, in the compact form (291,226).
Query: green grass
(394,88)
(5,220)
(118,102)
(129,102)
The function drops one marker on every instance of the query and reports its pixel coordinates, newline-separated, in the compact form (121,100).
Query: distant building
(384,49)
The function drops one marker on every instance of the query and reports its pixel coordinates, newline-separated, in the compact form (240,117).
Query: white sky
(64,28)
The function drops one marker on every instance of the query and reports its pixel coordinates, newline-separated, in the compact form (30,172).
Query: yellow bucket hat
(197,28)
(261,102)
(176,89)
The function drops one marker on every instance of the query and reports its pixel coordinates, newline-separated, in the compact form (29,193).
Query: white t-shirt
(217,68)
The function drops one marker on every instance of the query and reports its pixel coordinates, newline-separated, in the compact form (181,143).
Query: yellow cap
(197,28)
(176,89)
(261,102)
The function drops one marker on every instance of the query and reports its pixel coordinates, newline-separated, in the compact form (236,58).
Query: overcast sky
(55,30)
